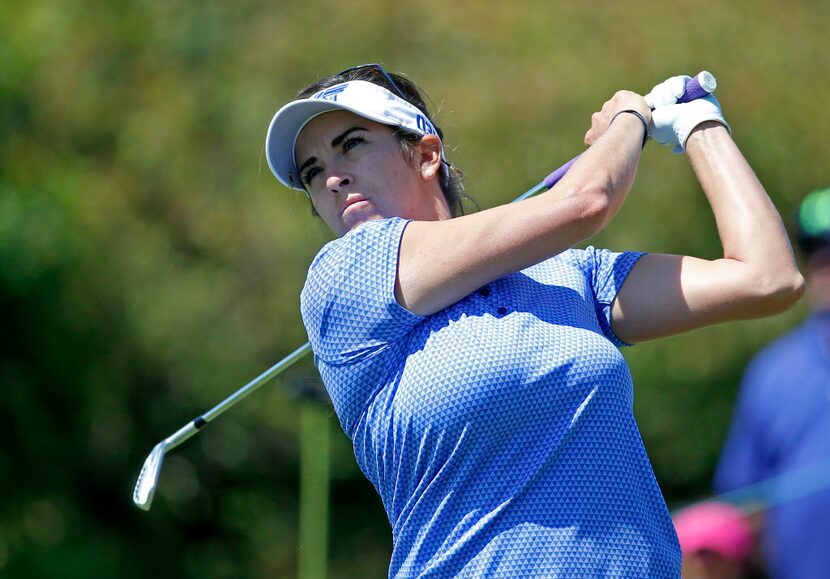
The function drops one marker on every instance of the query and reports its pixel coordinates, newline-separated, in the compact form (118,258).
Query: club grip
(699,86)
(554,177)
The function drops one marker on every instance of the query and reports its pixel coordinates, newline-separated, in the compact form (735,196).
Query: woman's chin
(354,217)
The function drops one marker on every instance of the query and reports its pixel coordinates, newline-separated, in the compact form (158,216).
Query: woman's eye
(309,174)
(352,142)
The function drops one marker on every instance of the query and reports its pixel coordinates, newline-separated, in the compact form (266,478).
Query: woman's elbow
(780,292)
(593,209)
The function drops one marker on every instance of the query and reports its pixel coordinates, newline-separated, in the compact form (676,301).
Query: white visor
(358,96)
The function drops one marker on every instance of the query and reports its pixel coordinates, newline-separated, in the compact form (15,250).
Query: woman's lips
(351,201)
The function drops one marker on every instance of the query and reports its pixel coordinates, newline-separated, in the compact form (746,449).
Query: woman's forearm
(609,166)
(749,225)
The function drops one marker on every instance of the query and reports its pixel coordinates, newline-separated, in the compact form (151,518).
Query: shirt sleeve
(348,302)
(606,272)
(355,325)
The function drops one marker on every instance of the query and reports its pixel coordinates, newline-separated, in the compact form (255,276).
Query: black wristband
(639,116)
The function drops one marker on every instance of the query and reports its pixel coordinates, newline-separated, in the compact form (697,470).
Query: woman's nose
(336,182)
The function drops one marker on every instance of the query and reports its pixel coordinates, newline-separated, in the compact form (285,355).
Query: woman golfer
(473,359)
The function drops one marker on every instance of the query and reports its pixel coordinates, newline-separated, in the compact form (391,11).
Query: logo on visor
(330,94)
(424,125)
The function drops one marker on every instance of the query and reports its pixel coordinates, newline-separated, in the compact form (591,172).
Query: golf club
(145,486)
(699,86)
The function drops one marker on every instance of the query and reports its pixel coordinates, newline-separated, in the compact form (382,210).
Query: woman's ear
(429,156)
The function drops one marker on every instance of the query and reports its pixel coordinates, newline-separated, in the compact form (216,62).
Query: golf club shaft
(776,490)
(199,422)
(697,87)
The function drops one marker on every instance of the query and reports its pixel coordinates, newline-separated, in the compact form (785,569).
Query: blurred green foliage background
(150,264)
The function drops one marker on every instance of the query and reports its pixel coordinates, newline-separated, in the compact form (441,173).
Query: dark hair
(451,178)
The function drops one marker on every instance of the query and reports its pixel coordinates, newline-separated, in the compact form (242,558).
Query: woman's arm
(757,275)
(441,262)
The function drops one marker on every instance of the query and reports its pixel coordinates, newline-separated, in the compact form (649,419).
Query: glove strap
(642,120)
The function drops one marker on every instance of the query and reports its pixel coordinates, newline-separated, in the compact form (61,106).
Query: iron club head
(148,478)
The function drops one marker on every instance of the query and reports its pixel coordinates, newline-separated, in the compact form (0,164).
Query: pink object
(717,527)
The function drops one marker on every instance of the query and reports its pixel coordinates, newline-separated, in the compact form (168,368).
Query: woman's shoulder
(568,264)
(593,258)
(591,263)
(365,253)
(581,258)
(366,232)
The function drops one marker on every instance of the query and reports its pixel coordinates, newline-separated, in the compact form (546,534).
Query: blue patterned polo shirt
(499,432)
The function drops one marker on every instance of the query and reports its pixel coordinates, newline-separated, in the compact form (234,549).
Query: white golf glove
(667,92)
(672,124)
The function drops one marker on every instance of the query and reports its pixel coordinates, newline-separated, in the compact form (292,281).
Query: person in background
(716,540)
(781,424)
